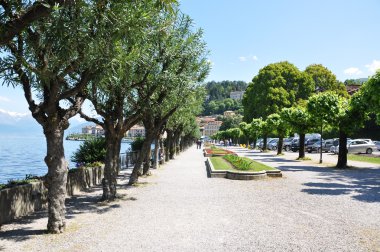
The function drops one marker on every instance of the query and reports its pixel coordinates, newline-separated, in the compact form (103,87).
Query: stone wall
(22,200)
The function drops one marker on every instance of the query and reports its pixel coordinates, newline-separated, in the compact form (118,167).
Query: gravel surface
(312,208)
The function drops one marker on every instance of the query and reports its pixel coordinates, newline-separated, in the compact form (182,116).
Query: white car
(359,146)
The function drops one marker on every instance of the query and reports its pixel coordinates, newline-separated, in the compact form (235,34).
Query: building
(352,89)
(237,95)
(211,128)
(228,113)
(136,131)
(208,125)
(95,130)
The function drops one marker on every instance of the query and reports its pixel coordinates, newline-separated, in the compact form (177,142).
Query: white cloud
(4,99)
(14,114)
(375,65)
(352,71)
(248,58)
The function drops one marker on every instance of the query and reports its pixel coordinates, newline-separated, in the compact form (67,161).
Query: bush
(238,162)
(90,151)
(137,144)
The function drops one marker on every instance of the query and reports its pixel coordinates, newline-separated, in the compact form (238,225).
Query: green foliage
(298,118)
(277,86)
(324,108)
(219,106)
(137,144)
(277,125)
(90,151)
(370,95)
(221,90)
(256,128)
(357,82)
(325,80)
(230,122)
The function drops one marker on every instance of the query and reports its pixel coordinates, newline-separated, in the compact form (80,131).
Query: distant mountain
(18,123)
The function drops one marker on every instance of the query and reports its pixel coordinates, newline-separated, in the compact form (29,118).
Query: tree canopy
(278,85)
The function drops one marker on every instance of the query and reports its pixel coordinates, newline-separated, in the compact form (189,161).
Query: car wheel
(274,148)
(369,151)
(287,148)
(319,150)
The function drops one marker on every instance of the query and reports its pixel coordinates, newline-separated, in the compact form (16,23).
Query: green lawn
(353,157)
(221,164)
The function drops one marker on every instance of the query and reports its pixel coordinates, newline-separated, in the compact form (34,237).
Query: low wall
(22,200)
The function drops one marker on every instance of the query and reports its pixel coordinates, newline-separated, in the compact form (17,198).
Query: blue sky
(245,35)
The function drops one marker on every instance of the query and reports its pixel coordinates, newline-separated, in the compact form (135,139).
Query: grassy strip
(353,157)
(220,164)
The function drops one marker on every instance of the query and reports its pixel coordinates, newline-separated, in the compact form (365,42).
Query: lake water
(25,155)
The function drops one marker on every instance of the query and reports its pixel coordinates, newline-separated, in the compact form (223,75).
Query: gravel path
(312,208)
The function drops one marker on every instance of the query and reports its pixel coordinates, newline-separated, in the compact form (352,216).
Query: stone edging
(239,175)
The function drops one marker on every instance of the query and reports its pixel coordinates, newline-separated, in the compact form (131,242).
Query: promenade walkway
(178,208)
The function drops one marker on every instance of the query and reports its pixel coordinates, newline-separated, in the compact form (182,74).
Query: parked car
(377,143)
(308,143)
(272,144)
(326,145)
(287,144)
(359,146)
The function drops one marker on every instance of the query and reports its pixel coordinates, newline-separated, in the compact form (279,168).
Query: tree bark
(301,150)
(156,152)
(112,164)
(279,145)
(342,155)
(56,178)
(265,142)
(140,161)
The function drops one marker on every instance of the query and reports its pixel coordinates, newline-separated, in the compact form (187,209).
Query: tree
(245,128)
(230,122)
(370,93)
(299,120)
(279,85)
(279,126)
(256,129)
(235,134)
(183,66)
(323,108)
(53,58)
(325,80)
(17,16)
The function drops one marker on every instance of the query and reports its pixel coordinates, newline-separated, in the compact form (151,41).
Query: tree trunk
(163,153)
(56,179)
(265,142)
(254,142)
(111,165)
(342,155)
(139,163)
(156,153)
(279,145)
(301,150)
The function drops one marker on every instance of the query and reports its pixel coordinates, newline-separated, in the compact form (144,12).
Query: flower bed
(212,152)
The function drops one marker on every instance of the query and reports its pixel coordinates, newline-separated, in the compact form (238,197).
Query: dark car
(308,143)
(287,144)
(326,145)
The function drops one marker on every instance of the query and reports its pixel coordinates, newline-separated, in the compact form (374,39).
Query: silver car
(360,146)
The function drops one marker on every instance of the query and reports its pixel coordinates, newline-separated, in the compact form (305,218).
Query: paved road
(312,208)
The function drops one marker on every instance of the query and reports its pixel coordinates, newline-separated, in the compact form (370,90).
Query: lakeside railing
(129,158)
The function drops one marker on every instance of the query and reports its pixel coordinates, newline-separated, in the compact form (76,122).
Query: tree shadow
(362,183)
(88,202)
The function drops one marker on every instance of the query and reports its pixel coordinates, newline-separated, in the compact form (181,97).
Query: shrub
(238,162)
(90,151)
(137,144)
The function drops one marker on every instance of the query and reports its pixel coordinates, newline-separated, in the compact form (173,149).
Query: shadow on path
(86,202)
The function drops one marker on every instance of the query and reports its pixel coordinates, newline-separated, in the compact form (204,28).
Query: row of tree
(136,61)
(280,101)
